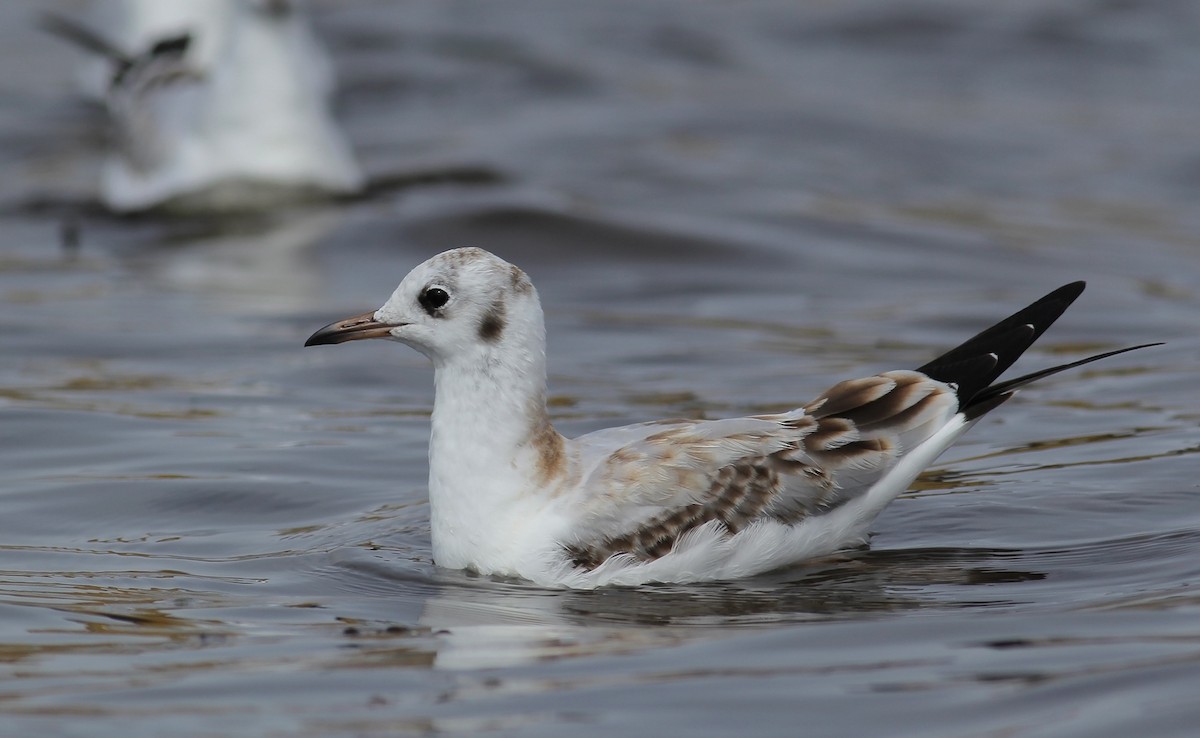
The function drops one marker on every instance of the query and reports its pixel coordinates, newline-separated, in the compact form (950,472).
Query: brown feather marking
(491,327)
(551,460)
(739,493)
(849,394)
(854,452)
(763,486)
(671,436)
(791,509)
(907,391)
(458,257)
(520,283)
(803,424)
(830,433)
(904,419)
(548,446)
(624,456)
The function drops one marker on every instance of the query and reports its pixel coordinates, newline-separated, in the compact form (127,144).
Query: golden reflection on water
(40,295)
(1015,222)
(86,393)
(1068,442)
(947,481)
(24,397)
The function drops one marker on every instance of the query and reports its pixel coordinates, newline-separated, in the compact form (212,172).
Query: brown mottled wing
(658,484)
(647,493)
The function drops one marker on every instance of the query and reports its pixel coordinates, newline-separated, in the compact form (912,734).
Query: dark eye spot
(493,323)
(433,299)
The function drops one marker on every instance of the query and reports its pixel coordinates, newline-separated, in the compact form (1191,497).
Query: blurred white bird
(139,24)
(229,110)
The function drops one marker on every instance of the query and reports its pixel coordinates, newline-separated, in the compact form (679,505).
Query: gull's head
(461,304)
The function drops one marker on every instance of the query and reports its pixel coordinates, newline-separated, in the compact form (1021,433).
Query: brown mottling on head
(520,282)
(493,323)
(464,255)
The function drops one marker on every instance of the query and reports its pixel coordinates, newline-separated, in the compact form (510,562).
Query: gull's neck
(483,415)
(493,452)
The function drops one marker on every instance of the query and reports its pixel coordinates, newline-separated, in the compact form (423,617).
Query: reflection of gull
(251,268)
(676,500)
(242,125)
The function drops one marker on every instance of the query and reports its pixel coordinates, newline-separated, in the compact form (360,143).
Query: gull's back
(682,500)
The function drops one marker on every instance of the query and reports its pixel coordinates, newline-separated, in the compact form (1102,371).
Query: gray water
(206,530)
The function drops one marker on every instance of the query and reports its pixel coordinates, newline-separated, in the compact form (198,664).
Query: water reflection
(253,265)
(484,622)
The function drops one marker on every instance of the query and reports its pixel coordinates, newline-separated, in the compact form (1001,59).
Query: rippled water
(207,530)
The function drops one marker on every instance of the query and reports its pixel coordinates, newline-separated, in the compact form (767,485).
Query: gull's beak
(350,329)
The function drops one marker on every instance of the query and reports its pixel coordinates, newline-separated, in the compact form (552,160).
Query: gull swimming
(247,124)
(669,500)
(139,24)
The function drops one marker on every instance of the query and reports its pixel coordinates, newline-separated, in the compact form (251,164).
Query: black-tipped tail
(973,366)
(995,394)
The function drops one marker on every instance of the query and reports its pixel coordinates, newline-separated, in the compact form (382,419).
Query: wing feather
(648,493)
(651,485)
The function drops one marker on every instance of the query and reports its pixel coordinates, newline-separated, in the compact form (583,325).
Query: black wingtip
(1004,342)
(74,32)
(176,45)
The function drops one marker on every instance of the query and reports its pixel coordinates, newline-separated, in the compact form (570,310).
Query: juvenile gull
(670,500)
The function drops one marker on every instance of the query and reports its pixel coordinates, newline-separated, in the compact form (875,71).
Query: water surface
(207,530)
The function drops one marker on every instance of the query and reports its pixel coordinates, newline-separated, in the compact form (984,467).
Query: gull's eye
(434,298)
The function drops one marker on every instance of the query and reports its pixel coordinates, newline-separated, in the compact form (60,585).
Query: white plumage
(216,105)
(669,501)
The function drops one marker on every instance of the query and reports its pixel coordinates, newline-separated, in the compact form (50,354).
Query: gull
(669,500)
(139,24)
(246,125)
